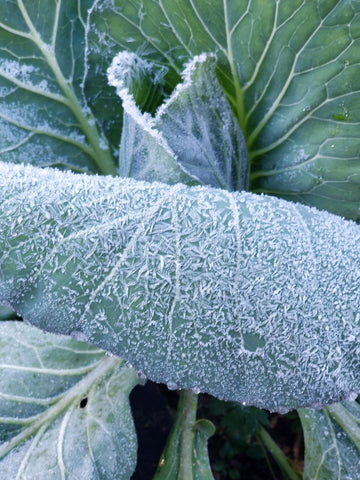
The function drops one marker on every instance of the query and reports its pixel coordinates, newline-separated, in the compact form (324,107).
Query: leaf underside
(196,286)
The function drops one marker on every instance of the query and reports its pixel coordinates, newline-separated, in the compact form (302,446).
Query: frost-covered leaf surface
(64,409)
(45,118)
(247,297)
(194,136)
(291,73)
(332,442)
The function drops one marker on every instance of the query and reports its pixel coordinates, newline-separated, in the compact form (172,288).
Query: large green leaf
(64,409)
(332,442)
(45,118)
(290,70)
(247,297)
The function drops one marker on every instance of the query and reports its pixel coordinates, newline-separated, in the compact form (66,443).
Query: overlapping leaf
(193,137)
(247,297)
(64,409)
(290,70)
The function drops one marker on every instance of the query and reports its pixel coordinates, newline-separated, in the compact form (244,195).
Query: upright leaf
(290,70)
(193,137)
(64,409)
(247,297)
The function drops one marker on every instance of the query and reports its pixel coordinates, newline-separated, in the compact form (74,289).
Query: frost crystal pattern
(247,297)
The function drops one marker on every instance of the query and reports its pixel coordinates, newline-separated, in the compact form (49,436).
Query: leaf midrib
(102,157)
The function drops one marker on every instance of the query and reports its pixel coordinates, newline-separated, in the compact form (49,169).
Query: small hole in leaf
(83,402)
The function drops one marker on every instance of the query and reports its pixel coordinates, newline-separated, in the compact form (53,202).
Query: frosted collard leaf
(291,73)
(64,409)
(193,137)
(247,297)
(141,79)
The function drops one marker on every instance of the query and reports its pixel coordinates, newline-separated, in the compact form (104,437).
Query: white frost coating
(122,66)
(262,302)
(20,71)
(186,75)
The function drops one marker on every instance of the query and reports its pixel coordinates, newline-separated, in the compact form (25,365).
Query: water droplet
(171,386)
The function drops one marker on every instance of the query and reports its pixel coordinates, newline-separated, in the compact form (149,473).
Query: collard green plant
(245,296)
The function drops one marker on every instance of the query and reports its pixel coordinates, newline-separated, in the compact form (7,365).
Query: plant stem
(278,455)
(187,408)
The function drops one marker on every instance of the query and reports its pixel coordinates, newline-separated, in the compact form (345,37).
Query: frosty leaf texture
(64,409)
(247,297)
(193,137)
(290,72)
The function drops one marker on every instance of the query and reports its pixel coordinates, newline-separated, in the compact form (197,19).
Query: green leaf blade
(303,108)
(43,106)
(198,287)
(332,441)
(65,412)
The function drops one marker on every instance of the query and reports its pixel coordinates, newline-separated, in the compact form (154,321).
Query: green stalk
(278,455)
(177,459)
(187,409)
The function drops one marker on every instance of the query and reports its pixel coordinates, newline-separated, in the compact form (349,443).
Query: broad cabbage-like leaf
(291,74)
(247,297)
(64,409)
